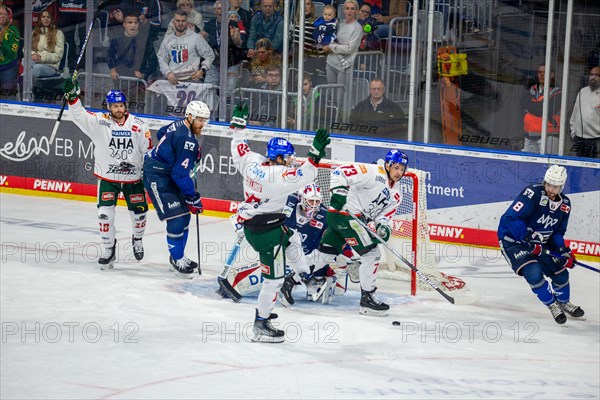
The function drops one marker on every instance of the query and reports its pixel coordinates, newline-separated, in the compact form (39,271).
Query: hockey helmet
(115,96)
(396,156)
(311,198)
(278,146)
(197,108)
(556,175)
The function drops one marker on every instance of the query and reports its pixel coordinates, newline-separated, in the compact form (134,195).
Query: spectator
(325,26)
(533,109)
(264,56)
(195,22)
(314,61)
(585,120)
(72,19)
(47,47)
(370,41)
(127,53)
(245,15)
(376,111)
(9,45)
(266,24)
(309,100)
(341,54)
(265,106)
(236,50)
(149,12)
(390,9)
(184,54)
(236,22)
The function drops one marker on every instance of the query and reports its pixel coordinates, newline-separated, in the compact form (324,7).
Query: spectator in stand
(378,112)
(236,50)
(267,23)
(341,54)
(245,15)
(194,18)
(264,107)
(370,41)
(533,109)
(9,46)
(325,27)
(149,11)
(184,55)
(263,57)
(127,53)
(308,102)
(390,9)
(72,18)
(585,120)
(314,62)
(17,8)
(236,22)
(47,47)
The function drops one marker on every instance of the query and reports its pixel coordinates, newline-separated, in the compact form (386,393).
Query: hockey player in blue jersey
(167,170)
(538,218)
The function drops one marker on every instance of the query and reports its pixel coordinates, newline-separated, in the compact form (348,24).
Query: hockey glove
(384,231)
(239,117)
(569,258)
(338,197)
(194,204)
(534,244)
(319,144)
(71,89)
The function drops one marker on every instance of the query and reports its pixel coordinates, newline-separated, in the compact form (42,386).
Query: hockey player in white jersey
(267,183)
(371,193)
(120,141)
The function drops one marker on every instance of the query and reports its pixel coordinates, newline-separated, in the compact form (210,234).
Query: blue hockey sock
(562,292)
(177,235)
(539,285)
(543,292)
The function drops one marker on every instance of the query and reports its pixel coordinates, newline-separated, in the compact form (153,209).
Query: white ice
(70,330)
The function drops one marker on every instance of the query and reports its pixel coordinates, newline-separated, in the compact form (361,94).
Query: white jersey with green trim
(118,148)
(266,187)
(369,192)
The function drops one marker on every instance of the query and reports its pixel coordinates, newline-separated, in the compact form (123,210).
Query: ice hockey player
(538,219)
(120,141)
(167,176)
(267,183)
(372,193)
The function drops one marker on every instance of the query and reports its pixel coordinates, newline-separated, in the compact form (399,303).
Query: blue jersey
(533,211)
(309,229)
(175,155)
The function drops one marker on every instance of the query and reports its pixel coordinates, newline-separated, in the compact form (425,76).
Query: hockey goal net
(410,236)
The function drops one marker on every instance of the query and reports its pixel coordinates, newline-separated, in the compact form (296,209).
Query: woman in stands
(47,47)
(264,56)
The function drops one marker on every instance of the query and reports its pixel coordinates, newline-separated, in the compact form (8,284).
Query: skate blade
(374,313)
(268,339)
(283,301)
(106,267)
(182,275)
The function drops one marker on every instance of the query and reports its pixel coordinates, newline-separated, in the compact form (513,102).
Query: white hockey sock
(106,218)
(138,224)
(268,296)
(368,269)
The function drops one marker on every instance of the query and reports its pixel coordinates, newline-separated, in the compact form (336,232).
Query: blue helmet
(396,156)
(279,146)
(115,96)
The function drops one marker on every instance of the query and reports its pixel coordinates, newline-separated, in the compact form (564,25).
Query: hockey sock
(368,269)
(268,296)
(539,285)
(294,255)
(176,229)
(138,223)
(561,287)
(106,218)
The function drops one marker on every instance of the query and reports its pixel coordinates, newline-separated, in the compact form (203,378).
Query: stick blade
(227,291)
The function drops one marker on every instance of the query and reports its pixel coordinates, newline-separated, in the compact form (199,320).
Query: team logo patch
(136,129)
(107,196)
(136,198)
(362,168)
(265,269)
(352,241)
(565,208)
(316,224)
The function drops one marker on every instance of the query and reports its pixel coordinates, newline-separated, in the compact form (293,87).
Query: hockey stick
(421,275)
(75,72)
(196,168)
(225,288)
(548,252)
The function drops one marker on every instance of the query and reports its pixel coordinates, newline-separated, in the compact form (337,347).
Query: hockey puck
(396,323)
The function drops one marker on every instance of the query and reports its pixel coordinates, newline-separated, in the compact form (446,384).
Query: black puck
(396,323)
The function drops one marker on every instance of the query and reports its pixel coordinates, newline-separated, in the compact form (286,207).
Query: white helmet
(311,198)
(556,175)
(198,109)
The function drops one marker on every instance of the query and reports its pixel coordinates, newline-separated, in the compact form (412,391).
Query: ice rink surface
(71,331)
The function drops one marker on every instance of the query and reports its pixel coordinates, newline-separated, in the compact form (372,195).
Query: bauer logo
(52,186)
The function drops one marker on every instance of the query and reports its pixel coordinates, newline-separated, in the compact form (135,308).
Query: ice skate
(572,310)
(369,305)
(183,268)
(138,248)
(264,332)
(107,260)
(285,294)
(557,313)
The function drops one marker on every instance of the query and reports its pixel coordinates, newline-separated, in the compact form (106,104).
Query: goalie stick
(421,275)
(75,72)
(225,288)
